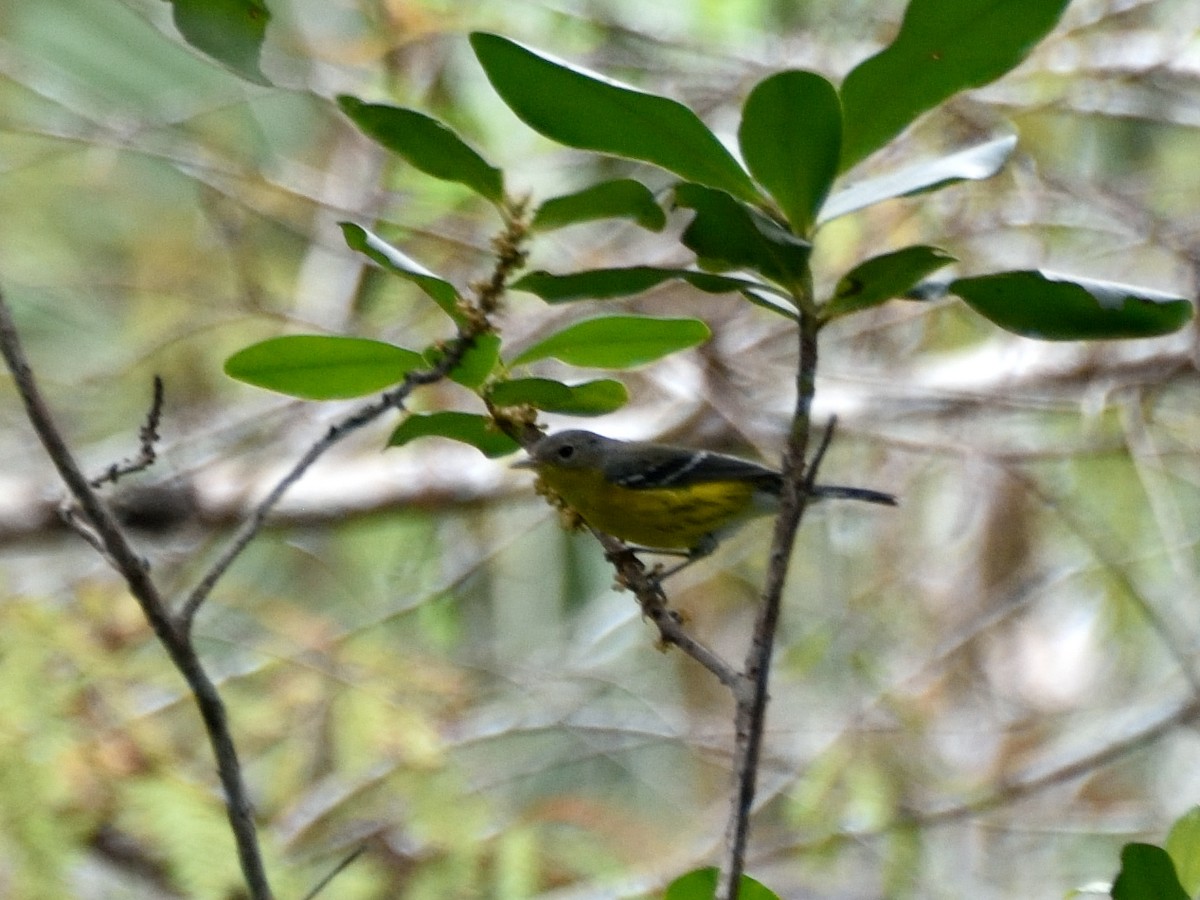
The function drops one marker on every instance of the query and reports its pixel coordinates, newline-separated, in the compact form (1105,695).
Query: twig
(752,708)
(488,293)
(810,477)
(148,437)
(153,606)
(254,522)
(69,515)
(337,870)
(649,593)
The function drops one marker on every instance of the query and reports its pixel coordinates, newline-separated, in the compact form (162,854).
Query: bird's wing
(656,465)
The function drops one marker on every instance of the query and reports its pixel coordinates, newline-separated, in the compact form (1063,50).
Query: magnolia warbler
(662,497)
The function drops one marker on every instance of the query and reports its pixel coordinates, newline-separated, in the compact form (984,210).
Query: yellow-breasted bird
(659,496)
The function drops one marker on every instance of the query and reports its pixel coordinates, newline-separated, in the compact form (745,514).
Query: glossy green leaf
(230,31)
(477,363)
(1054,307)
(1147,874)
(590,112)
(942,48)
(791,139)
(322,367)
(727,234)
(701,884)
(441,291)
(881,278)
(426,144)
(467,428)
(1183,846)
(617,342)
(972,164)
(601,284)
(591,398)
(622,198)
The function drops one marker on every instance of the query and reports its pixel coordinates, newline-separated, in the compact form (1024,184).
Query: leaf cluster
(751,222)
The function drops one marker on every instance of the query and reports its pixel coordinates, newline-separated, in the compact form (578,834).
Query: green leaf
(1183,846)
(727,234)
(477,363)
(322,367)
(592,398)
(1054,307)
(701,884)
(972,164)
(1147,874)
(622,198)
(617,342)
(441,291)
(230,31)
(601,284)
(942,48)
(590,112)
(881,278)
(467,428)
(791,138)
(426,144)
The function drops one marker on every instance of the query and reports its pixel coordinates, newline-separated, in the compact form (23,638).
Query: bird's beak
(523,464)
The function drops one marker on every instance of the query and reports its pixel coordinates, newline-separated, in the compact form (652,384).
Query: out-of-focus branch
(29,515)
(1018,787)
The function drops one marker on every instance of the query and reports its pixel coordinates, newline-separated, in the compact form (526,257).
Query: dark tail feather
(838,492)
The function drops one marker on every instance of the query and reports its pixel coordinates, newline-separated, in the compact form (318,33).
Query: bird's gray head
(575,449)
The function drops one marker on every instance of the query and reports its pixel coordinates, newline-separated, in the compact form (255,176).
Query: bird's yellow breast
(671,518)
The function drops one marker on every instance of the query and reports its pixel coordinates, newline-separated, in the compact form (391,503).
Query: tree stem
(752,703)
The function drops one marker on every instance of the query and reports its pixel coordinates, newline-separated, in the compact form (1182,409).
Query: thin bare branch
(148,436)
(337,870)
(810,477)
(132,568)
(510,256)
(394,399)
(647,587)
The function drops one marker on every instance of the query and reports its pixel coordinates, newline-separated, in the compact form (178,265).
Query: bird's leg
(705,547)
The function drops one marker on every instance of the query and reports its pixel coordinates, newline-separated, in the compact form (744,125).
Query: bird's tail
(840,492)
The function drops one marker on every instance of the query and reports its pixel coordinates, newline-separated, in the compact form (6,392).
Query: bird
(660,497)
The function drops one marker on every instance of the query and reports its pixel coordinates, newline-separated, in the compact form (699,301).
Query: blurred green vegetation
(443,675)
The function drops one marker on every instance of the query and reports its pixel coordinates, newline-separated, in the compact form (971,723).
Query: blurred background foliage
(984,693)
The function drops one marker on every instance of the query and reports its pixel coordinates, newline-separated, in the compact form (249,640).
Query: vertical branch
(752,702)
(118,549)
(174,630)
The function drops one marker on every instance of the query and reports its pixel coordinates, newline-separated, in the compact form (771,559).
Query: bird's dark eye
(566,451)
